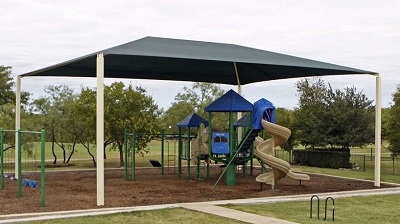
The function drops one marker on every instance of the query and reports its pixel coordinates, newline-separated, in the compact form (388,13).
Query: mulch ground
(77,190)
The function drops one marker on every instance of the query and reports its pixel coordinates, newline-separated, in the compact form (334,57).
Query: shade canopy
(185,60)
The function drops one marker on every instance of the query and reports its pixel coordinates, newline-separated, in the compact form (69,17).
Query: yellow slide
(265,152)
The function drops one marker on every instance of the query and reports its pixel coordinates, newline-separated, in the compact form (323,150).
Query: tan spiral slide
(265,152)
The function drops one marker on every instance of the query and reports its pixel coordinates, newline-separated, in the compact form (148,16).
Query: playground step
(233,214)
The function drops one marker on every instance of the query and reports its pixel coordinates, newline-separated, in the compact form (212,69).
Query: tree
(57,119)
(126,108)
(175,114)
(309,115)
(285,118)
(7,106)
(195,100)
(7,94)
(393,124)
(328,116)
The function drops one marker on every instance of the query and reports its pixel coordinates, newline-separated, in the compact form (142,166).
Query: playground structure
(265,152)
(236,146)
(12,162)
(130,142)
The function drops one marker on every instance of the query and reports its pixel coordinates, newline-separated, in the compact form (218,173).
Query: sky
(361,34)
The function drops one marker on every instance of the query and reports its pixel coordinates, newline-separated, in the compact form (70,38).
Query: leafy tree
(285,118)
(309,115)
(129,108)
(57,120)
(176,113)
(328,116)
(126,107)
(7,94)
(385,122)
(393,124)
(196,99)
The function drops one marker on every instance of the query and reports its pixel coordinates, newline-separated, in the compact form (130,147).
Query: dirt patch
(77,190)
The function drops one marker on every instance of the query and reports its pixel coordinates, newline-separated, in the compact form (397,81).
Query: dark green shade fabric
(186,60)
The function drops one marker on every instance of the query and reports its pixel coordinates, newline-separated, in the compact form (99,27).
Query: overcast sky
(360,34)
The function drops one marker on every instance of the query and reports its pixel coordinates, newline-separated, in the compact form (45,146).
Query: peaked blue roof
(193,120)
(230,101)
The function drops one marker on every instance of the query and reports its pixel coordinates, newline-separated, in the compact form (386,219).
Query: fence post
(162,152)
(19,179)
(126,154)
(1,160)
(371,154)
(42,167)
(133,172)
(393,163)
(364,164)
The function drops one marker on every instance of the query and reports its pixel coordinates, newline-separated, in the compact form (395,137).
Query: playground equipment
(130,142)
(265,151)
(235,147)
(23,168)
(194,151)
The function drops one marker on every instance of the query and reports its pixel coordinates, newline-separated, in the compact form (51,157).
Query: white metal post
(377,182)
(100,128)
(239,114)
(17,121)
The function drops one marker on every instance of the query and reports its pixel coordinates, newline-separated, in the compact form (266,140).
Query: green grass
(363,210)
(165,216)
(368,175)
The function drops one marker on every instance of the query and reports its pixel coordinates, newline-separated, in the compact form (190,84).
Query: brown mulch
(77,190)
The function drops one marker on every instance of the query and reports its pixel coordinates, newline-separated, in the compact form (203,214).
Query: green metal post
(180,153)
(208,167)
(251,166)
(230,169)
(19,180)
(188,154)
(1,160)
(133,149)
(162,152)
(209,134)
(126,154)
(42,167)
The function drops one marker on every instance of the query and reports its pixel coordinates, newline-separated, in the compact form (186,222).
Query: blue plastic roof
(193,120)
(263,109)
(230,102)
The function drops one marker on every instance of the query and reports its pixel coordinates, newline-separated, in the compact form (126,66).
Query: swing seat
(155,163)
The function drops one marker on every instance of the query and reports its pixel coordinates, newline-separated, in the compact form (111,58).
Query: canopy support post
(378,96)
(100,128)
(239,114)
(17,122)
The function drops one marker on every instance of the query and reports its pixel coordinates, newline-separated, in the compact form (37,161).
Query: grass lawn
(165,216)
(372,209)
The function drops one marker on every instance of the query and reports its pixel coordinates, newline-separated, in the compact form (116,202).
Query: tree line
(324,118)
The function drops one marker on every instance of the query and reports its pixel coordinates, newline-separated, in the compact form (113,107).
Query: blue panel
(220,143)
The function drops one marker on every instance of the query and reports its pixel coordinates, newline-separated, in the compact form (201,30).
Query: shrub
(322,158)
